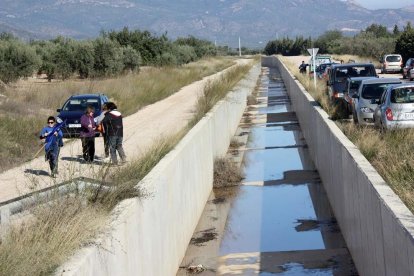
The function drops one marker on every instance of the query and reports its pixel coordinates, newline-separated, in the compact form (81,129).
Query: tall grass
(392,155)
(39,245)
(28,105)
(391,152)
(216,90)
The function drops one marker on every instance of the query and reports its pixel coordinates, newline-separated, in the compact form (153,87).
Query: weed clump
(226,173)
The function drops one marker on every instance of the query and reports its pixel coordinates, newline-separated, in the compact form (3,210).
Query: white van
(391,63)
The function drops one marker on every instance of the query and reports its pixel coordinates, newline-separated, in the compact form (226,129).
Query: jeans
(106,144)
(115,144)
(53,157)
(88,148)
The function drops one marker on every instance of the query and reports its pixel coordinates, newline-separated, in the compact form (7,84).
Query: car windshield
(354,71)
(393,59)
(402,95)
(81,104)
(374,91)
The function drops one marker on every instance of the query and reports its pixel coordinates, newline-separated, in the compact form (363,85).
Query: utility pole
(239,48)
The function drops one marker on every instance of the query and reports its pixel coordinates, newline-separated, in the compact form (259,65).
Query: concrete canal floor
(279,221)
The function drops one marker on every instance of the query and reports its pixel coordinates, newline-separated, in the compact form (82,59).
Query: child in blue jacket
(53,142)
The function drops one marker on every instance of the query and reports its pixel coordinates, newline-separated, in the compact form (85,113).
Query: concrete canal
(279,221)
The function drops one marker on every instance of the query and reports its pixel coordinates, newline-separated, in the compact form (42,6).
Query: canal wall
(377,226)
(149,236)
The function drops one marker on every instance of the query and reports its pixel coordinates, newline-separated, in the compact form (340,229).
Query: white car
(396,107)
(391,63)
(365,100)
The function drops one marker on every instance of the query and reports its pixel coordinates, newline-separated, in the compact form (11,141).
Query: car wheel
(355,117)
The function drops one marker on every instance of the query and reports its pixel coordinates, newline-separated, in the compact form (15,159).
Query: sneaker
(106,159)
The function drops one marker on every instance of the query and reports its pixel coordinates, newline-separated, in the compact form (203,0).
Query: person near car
(87,134)
(302,67)
(53,142)
(115,131)
(101,129)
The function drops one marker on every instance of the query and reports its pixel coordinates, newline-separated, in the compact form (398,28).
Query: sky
(383,4)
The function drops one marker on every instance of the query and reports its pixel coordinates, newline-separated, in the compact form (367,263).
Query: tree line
(111,54)
(375,41)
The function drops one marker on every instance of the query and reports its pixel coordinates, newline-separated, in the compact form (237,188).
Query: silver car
(365,100)
(396,107)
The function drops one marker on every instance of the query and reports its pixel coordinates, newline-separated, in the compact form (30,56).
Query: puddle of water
(274,109)
(263,219)
(261,137)
(285,226)
(270,164)
(298,269)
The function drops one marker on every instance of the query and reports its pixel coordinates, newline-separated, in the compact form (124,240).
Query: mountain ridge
(216,20)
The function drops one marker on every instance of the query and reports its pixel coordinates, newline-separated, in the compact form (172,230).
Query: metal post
(239,48)
(314,67)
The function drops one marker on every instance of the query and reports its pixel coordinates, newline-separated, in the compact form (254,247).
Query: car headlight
(366,110)
(59,120)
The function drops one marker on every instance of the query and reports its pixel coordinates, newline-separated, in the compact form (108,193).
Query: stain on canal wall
(377,226)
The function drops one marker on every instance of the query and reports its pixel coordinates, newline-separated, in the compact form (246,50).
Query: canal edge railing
(377,226)
(150,236)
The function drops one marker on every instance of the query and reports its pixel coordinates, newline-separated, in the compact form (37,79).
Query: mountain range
(222,21)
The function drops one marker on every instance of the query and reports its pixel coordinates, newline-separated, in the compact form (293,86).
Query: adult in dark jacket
(87,134)
(115,131)
(53,142)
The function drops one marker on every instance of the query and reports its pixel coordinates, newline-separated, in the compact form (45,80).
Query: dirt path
(141,130)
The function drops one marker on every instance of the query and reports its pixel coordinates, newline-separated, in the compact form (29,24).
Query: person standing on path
(102,130)
(302,67)
(53,142)
(87,134)
(115,131)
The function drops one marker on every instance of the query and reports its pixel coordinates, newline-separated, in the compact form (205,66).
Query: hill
(216,20)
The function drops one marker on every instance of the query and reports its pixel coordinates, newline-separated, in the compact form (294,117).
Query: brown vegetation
(226,173)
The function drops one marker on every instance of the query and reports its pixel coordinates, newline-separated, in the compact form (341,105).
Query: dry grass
(235,143)
(392,155)
(319,93)
(391,152)
(26,106)
(58,229)
(347,58)
(226,173)
(215,91)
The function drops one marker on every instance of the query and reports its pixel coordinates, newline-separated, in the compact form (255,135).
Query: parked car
(352,86)
(320,59)
(408,72)
(365,100)
(73,109)
(396,107)
(339,73)
(391,63)
(320,70)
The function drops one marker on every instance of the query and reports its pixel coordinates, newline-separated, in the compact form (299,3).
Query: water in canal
(279,221)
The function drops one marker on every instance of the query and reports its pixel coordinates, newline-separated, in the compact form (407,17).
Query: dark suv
(408,69)
(73,109)
(339,73)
